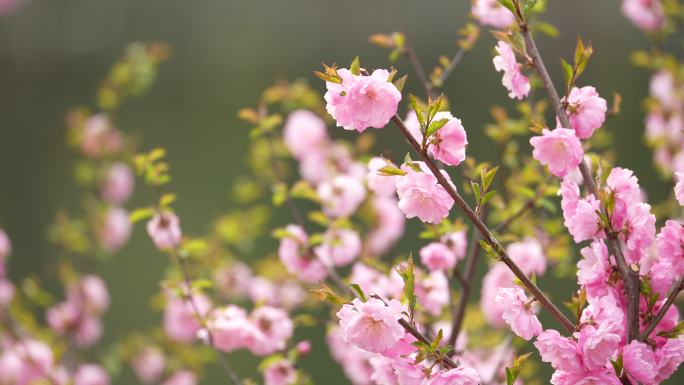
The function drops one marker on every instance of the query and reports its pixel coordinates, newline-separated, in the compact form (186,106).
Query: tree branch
(487,236)
(630,278)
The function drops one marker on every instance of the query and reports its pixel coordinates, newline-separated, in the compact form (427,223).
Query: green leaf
(141,214)
(166,200)
(357,289)
(279,194)
(579,50)
(546,28)
(529,5)
(435,125)
(325,293)
(407,275)
(510,377)
(436,341)
(355,67)
(674,332)
(476,190)
(391,170)
(488,176)
(418,111)
(486,197)
(399,83)
(568,73)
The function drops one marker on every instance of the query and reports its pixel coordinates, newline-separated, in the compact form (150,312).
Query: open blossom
(389,225)
(457,241)
(516,83)
(597,345)
(91,374)
(280,372)
(421,195)
(586,110)
(648,15)
(432,291)
(449,142)
(561,352)
(149,365)
(304,132)
(457,376)
(593,270)
(491,13)
(273,328)
(117,186)
(599,376)
(372,325)
(584,223)
(229,328)
(437,256)
(100,137)
(180,320)
(341,196)
(559,149)
(497,277)
(528,255)
(360,102)
(297,258)
(25,362)
(383,185)
(640,362)
(663,88)
(669,357)
(518,312)
(339,247)
(164,229)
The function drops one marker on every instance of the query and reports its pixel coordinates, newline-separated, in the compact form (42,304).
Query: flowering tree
(396,316)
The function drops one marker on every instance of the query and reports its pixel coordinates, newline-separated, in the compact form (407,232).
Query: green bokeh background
(54,53)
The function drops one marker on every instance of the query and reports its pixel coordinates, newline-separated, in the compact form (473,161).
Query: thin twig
(414,332)
(507,222)
(455,60)
(487,235)
(418,68)
(234,378)
(674,292)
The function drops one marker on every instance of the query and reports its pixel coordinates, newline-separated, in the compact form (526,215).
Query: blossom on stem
(586,110)
(421,195)
(492,13)
(457,376)
(304,133)
(448,144)
(640,362)
(647,15)
(559,149)
(164,229)
(341,196)
(372,325)
(518,312)
(517,84)
(437,256)
(297,258)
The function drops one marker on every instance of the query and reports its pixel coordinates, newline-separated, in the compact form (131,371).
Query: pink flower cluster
(359,102)
(665,122)
(517,84)
(79,315)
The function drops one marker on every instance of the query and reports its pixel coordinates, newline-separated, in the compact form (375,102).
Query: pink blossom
(437,256)
(91,374)
(92,290)
(625,187)
(598,377)
(585,223)
(670,249)
(413,125)
(389,225)
(421,195)
(383,371)
(149,365)
(295,255)
(497,277)
(304,132)
(491,13)
(340,247)
(663,88)
(559,149)
(408,373)
(7,292)
(640,362)
(8,6)
(280,372)
(341,196)
(233,280)
(457,241)
(100,137)
(181,377)
(360,102)
(433,292)
(180,320)
(5,247)
(516,83)
(561,352)
(645,14)
(303,347)
(164,229)
(273,328)
(593,270)
(26,362)
(586,110)
(669,357)
(570,196)
(457,376)
(115,229)
(354,361)
(383,185)
(597,345)
(372,281)
(372,325)
(518,312)
(679,188)
(117,186)
(528,255)
(449,143)
(229,328)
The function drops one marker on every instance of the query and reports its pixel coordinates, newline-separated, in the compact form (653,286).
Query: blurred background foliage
(53,55)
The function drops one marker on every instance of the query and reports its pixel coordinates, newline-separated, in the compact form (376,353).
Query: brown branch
(414,332)
(487,235)
(674,292)
(418,68)
(630,278)
(459,311)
